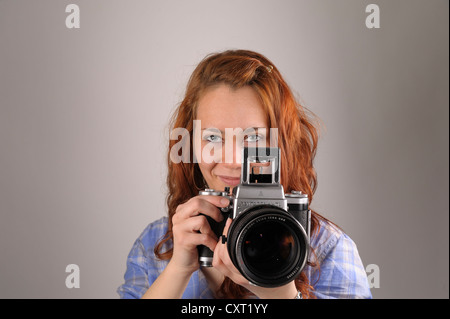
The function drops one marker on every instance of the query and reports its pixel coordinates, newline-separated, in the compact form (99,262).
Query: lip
(230,180)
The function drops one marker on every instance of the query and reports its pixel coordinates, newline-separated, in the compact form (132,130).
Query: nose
(232,152)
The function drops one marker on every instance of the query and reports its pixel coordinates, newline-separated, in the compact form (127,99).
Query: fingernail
(224,201)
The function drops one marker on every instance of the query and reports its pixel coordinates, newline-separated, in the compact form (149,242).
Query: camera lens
(268,245)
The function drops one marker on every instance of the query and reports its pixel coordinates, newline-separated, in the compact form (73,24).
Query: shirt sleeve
(142,266)
(136,275)
(342,274)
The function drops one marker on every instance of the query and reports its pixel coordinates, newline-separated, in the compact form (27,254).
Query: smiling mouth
(230,180)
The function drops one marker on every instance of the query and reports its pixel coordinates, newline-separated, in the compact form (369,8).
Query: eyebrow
(247,130)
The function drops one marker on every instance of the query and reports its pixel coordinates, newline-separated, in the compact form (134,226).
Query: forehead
(222,106)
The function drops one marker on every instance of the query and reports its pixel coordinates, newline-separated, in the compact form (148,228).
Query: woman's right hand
(191,229)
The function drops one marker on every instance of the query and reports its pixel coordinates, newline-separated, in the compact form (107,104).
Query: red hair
(297,138)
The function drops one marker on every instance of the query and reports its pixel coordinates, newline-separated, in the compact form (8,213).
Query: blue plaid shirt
(342,274)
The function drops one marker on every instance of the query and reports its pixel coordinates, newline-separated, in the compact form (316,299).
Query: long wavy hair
(297,139)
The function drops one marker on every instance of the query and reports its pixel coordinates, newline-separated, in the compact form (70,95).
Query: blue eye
(213,138)
(253,138)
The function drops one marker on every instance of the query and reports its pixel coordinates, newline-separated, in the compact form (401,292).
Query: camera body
(268,239)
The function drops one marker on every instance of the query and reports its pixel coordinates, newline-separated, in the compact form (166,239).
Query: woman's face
(230,119)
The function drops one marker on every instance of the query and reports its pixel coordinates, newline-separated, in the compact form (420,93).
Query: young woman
(236,90)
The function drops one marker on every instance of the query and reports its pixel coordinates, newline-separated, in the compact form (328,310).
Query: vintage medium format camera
(268,239)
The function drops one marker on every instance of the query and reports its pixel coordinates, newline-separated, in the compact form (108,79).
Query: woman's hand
(223,263)
(191,229)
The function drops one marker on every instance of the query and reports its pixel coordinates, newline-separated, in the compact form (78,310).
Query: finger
(223,257)
(196,224)
(206,205)
(221,252)
(223,263)
(193,232)
(192,240)
(226,227)
(212,204)
(217,259)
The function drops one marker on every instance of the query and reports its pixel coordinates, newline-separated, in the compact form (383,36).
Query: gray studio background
(84,112)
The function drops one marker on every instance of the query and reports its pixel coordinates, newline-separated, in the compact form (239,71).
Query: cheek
(206,170)
(209,154)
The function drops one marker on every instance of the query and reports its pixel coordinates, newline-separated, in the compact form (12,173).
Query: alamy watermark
(373,275)
(73,279)
(372,19)
(73,18)
(212,145)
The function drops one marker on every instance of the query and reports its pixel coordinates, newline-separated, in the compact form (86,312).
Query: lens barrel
(268,245)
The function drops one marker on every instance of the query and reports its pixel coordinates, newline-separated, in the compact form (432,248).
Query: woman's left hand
(223,263)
